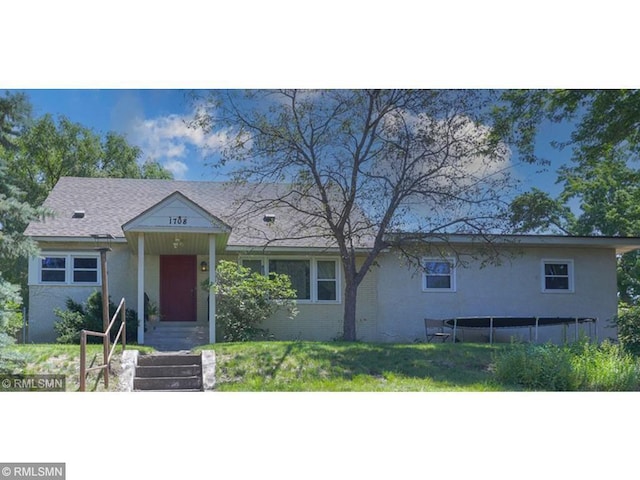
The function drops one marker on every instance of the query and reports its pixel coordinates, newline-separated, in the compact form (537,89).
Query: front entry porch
(174,284)
(172,240)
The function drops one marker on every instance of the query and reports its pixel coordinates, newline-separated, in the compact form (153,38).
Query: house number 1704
(177,220)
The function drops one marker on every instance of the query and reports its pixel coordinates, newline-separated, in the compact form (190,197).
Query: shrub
(628,323)
(10,312)
(88,316)
(244,300)
(606,367)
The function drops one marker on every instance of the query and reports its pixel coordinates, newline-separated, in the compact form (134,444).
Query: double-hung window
(438,275)
(314,280)
(53,269)
(557,276)
(68,269)
(327,280)
(85,269)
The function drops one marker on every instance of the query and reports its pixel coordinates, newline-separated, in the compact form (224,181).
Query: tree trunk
(350,297)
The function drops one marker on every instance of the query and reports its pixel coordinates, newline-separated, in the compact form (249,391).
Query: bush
(10,311)
(607,367)
(244,300)
(628,323)
(88,316)
(581,366)
(536,367)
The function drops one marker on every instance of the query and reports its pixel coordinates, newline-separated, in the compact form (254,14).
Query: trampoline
(492,323)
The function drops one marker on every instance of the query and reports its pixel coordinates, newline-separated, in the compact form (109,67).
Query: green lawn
(65,359)
(370,367)
(335,366)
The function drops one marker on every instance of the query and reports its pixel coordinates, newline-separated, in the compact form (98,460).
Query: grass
(65,360)
(581,366)
(336,367)
(368,367)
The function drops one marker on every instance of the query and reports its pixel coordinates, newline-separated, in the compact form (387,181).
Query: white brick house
(167,235)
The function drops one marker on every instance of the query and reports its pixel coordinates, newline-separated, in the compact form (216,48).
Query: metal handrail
(106,352)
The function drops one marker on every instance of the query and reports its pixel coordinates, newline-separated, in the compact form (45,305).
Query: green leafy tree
(15,115)
(602,181)
(603,121)
(246,299)
(50,149)
(10,322)
(121,160)
(536,211)
(153,170)
(628,323)
(15,211)
(118,158)
(363,164)
(13,245)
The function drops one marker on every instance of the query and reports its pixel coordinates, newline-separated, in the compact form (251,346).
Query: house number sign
(177,220)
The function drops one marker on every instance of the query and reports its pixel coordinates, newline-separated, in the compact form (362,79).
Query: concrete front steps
(175,336)
(168,373)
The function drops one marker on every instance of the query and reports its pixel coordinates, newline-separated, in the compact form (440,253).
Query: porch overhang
(176,226)
(176,243)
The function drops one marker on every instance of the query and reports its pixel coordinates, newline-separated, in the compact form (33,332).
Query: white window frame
(73,269)
(41,269)
(452,275)
(36,268)
(570,275)
(313,277)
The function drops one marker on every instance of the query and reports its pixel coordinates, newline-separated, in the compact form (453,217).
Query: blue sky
(155,120)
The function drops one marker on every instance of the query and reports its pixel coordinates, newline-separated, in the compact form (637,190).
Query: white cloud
(171,141)
(178,168)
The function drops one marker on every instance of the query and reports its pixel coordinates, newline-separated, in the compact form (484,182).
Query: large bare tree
(365,164)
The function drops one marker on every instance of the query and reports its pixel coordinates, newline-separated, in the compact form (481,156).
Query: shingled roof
(109,203)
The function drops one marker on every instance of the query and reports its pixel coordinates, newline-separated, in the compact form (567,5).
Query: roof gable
(176,212)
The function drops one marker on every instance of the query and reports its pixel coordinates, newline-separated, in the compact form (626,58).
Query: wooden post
(83,360)
(105,311)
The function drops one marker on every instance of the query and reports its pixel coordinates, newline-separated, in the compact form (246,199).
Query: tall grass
(581,366)
(607,367)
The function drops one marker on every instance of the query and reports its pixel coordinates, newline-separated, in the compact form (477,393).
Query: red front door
(178,288)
